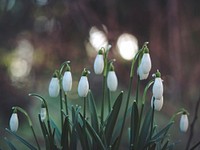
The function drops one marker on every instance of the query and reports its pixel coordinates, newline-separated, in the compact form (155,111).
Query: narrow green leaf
(93,111)
(165,145)
(82,137)
(113,118)
(56,130)
(145,130)
(65,134)
(134,123)
(163,131)
(45,133)
(22,140)
(74,138)
(11,146)
(94,135)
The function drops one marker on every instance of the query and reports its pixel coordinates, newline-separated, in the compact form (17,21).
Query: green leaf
(22,140)
(45,133)
(65,134)
(93,111)
(113,118)
(56,130)
(73,140)
(145,130)
(82,136)
(94,135)
(165,145)
(134,123)
(11,146)
(162,133)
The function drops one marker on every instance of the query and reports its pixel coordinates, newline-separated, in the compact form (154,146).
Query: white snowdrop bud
(184,123)
(158,86)
(99,63)
(43,113)
(67,81)
(54,87)
(146,63)
(14,122)
(112,81)
(83,85)
(157,103)
(142,75)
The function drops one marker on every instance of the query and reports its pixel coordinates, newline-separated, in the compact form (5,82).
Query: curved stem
(45,103)
(29,121)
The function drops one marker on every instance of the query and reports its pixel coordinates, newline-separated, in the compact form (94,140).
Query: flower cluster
(101,130)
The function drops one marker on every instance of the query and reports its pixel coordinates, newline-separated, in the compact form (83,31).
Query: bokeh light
(21,61)
(97,38)
(127,45)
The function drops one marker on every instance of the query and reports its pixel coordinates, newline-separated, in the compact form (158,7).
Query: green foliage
(93,131)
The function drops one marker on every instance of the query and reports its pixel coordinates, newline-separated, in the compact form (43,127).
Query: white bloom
(158,88)
(99,64)
(67,81)
(54,87)
(158,103)
(184,123)
(43,113)
(14,122)
(146,63)
(112,81)
(83,86)
(141,74)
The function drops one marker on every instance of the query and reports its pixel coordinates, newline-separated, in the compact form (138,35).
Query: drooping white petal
(67,81)
(158,88)
(112,81)
(43,113)
(184,123)
(99,64)
(142,75)
(146,63)
(158,103)
(14,122)
(54,87)
(83,86)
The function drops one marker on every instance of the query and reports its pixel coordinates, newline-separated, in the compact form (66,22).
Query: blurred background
(36,36)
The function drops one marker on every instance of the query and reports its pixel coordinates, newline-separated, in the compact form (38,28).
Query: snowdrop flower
(158,86)
(145,65)
(99,63)
(54,87)
(67,80)
(157,103)
(142,75)
(112,81)
(43,113)
(184,123)
(83,85)
(14,122)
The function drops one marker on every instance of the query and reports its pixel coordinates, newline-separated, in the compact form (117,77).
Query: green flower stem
(29,121)
(180,112)
(84,111)
(109,101)
(61,109)
(104,97)
(63,66)
(152,119)
(137,89)
(45,103)
(66,105)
